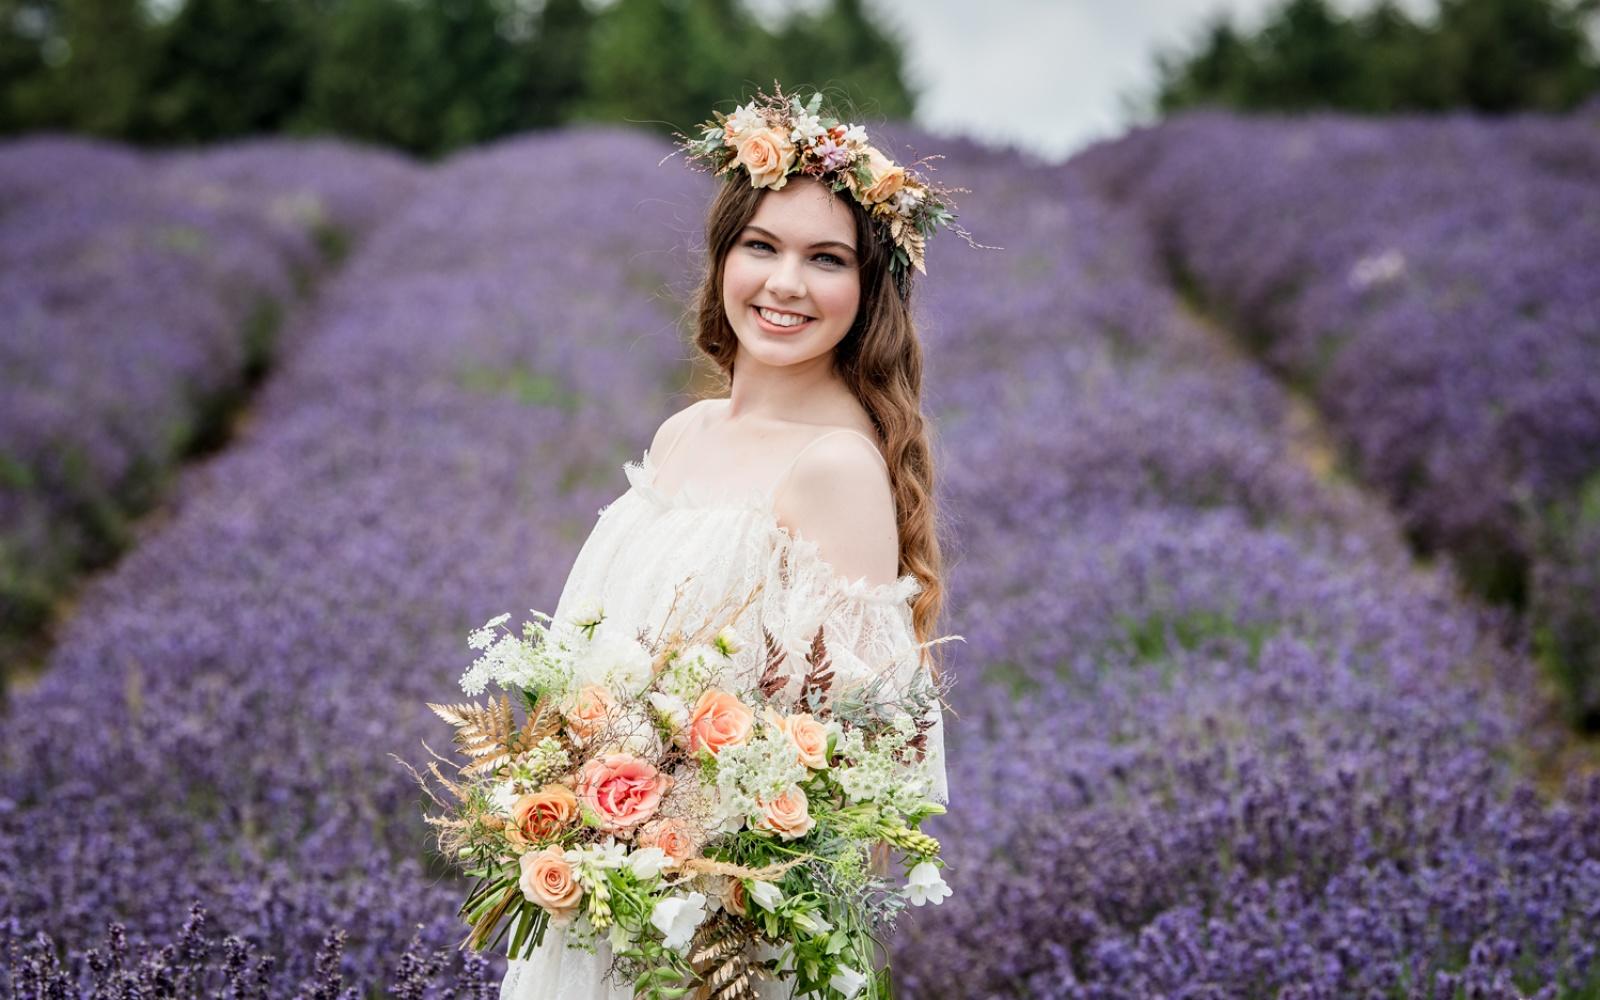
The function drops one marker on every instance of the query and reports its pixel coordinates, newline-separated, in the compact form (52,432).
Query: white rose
(677,918)
(617,661)
(847,981)
(924,885)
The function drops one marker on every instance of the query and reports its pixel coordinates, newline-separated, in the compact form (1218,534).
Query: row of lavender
(1432,284)
(1257,753)
(221,718)
(1226,741)
(143,294)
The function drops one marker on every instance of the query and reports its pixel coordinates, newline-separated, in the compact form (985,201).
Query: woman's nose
(785,279)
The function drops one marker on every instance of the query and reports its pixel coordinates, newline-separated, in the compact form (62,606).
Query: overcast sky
(1046,75)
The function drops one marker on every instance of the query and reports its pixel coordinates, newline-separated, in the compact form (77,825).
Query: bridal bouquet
(705,803)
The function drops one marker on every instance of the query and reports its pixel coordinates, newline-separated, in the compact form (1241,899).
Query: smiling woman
(809,487)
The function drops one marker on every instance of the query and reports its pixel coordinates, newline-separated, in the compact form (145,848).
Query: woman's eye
(832,257)
(753,244)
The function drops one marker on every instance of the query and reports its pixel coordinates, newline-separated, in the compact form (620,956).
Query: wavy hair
(880,359)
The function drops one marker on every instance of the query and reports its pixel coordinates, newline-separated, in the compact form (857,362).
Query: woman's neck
(807,392)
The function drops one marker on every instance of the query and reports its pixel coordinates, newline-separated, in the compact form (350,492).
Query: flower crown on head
(774,137)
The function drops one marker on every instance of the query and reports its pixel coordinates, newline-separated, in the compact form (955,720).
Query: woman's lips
(775,328)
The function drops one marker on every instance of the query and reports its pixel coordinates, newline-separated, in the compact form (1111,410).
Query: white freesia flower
(609,854)
(847,981)
(924,885)
(856,134)
(812,923)
(766,895)
(648,862)
(678,917)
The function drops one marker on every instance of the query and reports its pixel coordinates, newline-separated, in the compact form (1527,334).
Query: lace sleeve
(868,629)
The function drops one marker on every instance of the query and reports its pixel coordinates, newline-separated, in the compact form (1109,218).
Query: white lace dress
(647,542)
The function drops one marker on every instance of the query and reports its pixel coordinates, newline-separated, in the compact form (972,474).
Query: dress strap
(784,476)
(698,417)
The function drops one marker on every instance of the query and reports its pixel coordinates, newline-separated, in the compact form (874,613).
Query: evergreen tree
(228,68)
(1492,55)
(555,61)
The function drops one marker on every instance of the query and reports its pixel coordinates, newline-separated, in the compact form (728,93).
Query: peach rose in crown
(591,712)
(768,154)
(719,720)
(672,835)
(788,815)
(542,814)
(808,737)
(547,879)
(888,177)
(621,790)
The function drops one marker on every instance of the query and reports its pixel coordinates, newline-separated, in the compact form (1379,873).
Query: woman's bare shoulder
(674,424)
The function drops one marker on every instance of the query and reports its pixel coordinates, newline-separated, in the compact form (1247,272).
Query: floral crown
(774,137)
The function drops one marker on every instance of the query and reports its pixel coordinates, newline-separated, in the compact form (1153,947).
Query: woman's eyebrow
(825,243)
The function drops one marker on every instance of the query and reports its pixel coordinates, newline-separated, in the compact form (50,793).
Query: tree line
(427,76)
(1490,55)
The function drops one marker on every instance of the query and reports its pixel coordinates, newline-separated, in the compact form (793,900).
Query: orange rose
(591,711)
(547,879)
(887,177)
(719,720)
(767,153)
(622,790)
(808,737)
(671,835)
(787,815)
(542,815)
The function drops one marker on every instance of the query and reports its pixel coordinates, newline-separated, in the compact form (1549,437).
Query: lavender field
(1219,734)
(1432,285)
(143,296)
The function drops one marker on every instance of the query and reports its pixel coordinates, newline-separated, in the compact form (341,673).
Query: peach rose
(733,897)
(887,177)
(542,814)
(591,711)
(768,154)
(547,879)
(671,835)
(719,720)
(787,815)
(808,737)
(622,790)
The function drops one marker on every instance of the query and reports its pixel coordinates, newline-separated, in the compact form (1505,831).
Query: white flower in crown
(906,200)
(855,135)
(743,119)
(806,129)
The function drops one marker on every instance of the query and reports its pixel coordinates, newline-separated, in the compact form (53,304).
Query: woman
(813,474)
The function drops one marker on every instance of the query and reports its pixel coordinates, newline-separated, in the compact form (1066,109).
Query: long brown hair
(880,359)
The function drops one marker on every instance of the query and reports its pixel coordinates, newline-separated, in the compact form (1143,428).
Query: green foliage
(427,76)
(1490,55)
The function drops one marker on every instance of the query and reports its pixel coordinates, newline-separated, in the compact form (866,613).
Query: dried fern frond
(721,956)
(816,689)
(772,676)
(485,732)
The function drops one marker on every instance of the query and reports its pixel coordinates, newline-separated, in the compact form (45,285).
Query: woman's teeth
(781,319)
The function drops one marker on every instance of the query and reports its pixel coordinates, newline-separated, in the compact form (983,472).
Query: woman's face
(796,258)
